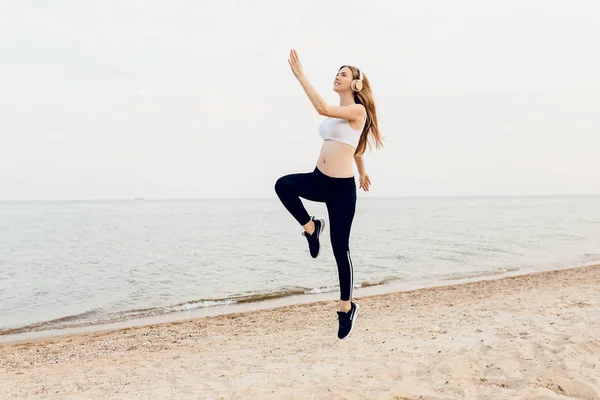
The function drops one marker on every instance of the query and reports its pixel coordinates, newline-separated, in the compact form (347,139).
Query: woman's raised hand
(295,64)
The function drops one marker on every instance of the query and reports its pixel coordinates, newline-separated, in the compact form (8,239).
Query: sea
(75,264)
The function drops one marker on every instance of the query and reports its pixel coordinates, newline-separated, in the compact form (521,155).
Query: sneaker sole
(353,321)
(320,231)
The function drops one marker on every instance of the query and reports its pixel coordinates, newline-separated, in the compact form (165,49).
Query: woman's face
(342,80)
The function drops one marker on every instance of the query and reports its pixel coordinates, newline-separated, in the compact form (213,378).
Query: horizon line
(141,198)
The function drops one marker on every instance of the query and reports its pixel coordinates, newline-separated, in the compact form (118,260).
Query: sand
(534,336)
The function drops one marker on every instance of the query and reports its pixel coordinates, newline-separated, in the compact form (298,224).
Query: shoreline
(394,286)
(530,336)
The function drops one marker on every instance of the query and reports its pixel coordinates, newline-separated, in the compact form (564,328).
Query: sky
(195,99)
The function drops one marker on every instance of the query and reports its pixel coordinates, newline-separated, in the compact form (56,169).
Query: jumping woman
(345,132)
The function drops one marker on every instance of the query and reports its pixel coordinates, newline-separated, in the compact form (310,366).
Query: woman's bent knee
(281,185)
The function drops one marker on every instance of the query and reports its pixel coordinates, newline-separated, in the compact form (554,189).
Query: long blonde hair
(371,129)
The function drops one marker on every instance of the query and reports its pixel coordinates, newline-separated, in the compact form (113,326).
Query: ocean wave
(98,316)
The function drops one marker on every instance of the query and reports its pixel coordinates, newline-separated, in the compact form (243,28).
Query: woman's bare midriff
(336,159)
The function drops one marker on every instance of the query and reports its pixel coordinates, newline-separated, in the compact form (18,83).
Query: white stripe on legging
(351,273)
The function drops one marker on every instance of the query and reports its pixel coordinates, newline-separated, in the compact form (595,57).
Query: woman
(345,134)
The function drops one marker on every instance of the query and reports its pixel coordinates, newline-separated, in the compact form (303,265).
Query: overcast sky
(189,99)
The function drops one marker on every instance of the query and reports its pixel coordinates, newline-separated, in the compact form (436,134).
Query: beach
(534,336)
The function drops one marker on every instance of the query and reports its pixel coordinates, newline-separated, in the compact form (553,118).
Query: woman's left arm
(364,180)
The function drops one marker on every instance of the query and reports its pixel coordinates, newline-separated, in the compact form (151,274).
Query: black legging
(339,194)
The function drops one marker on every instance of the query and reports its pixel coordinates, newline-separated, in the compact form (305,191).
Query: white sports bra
(340,130)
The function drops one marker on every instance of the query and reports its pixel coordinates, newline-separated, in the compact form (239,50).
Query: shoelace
(344,319)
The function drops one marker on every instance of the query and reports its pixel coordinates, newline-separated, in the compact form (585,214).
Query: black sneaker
(347,321)
(314,244)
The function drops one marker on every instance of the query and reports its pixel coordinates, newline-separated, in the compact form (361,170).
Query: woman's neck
(346,99)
